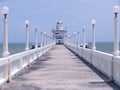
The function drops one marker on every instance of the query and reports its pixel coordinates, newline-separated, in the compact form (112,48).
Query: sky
(75,14)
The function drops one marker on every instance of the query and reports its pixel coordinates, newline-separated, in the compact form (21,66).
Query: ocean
(13,48)
(106,47)
(19,47)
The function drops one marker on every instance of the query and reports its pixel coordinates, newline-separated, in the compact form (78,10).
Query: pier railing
(108,64)
(11,65)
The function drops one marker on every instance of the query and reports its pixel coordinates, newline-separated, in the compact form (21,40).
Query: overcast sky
(45,13)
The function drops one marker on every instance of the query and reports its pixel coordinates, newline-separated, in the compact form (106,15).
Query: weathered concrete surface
(60,69)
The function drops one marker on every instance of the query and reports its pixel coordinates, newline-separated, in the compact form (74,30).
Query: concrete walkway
(60,69)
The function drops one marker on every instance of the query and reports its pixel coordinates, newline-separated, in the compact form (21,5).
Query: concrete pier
(60,69)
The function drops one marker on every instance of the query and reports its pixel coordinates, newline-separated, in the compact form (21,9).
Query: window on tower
(56,33)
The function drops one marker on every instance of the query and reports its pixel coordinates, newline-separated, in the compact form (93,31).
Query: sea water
(14,48)
(106,47)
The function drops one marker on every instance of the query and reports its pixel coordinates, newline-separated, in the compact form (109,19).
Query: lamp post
(27,36)
(44,39)
(5,53)
(40,38)
(83,37)
(75,38)
(36,37)
(68,39)
(93,34)
(78,38)
(116,41)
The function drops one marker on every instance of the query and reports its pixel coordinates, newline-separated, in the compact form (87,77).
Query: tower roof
(59,22)
(59,25)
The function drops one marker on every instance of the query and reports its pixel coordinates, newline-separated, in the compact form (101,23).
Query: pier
(60,69)
(60,62)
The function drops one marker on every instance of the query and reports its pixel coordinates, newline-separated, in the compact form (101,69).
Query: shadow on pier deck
(60,69)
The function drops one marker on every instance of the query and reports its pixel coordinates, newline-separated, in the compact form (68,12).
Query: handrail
(106,63)
(11,65)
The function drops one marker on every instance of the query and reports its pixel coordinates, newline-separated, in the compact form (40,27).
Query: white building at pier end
(59,33)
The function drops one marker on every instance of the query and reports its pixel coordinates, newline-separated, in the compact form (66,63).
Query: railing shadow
(109,82)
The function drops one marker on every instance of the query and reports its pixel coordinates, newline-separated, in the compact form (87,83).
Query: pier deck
(60,69)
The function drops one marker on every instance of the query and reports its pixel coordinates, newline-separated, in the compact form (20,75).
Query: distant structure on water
(59,33)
